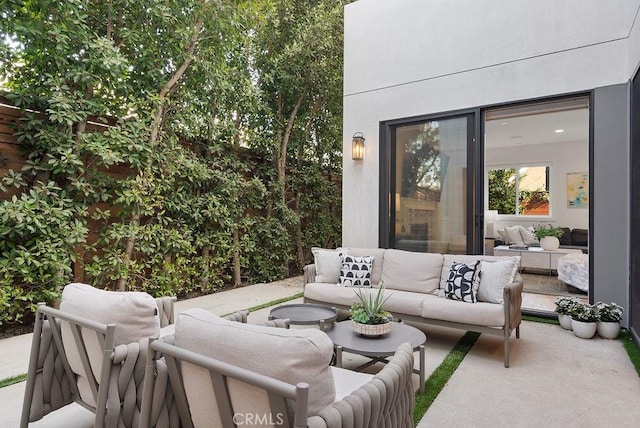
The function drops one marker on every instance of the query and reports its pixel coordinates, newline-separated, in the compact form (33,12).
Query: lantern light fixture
(357,147)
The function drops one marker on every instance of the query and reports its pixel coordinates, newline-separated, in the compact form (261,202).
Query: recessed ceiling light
(559,131)
(504,123)
(515,137)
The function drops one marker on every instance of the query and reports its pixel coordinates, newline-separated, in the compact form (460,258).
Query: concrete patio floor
(555,378)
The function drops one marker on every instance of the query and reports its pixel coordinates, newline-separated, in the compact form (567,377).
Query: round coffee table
(305,314)
(378,348)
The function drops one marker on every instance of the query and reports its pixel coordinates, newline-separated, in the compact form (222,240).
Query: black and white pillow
(462,283)
(355,271)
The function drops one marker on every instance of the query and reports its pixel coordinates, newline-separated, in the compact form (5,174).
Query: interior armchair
(224,373)
(92,351)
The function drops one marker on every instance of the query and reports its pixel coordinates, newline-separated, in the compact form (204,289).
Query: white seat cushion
(479,313)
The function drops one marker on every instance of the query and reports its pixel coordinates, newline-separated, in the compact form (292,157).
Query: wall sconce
(357,147)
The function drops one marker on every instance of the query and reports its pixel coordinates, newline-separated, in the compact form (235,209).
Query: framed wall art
(578,190)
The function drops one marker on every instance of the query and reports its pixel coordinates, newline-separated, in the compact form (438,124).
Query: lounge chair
(223,372)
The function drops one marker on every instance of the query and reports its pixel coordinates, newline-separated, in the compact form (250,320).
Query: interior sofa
(423,287)
(577,239)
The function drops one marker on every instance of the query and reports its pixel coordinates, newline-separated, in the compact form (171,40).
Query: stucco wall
(413,57)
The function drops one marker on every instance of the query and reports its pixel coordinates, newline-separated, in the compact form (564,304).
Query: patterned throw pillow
(355,271)
(463,282)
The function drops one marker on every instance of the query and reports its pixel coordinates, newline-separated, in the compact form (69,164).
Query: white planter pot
(585,330)
(608,330)
(565,321)
(549,243)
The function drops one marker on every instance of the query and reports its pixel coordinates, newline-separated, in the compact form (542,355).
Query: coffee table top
(342,334)
(305,313)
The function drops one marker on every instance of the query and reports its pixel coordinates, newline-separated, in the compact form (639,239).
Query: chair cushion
(292,356)
(409,271)
(134,313)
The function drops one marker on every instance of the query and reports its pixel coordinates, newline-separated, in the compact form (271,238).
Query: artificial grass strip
(442,374)
(542,320)
(13,380)
(271,303)
(631,347)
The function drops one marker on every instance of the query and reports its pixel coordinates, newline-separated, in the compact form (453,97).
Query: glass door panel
(429,191)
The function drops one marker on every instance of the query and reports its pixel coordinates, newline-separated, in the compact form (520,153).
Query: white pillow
(503,235)
(494,276)
(328,264)
(513,232)
(527,236)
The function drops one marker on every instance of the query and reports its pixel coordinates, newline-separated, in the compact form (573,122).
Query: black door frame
(475,178)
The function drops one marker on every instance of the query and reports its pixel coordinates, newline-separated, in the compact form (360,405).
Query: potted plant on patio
(584,318)
(548,236)
(369,319)
(609,316)
(564,305)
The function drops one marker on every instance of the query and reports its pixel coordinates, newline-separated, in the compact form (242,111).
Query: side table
(305,314)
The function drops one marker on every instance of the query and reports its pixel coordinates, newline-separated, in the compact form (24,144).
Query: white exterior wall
(412,57)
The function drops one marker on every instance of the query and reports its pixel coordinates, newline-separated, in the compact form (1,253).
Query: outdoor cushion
(347,381)
(327,263)
(293,356)
(378,257)
(494,276)
(134,313)
(409,271)
(480,313)
(462,283)
(460,258)
(355,271)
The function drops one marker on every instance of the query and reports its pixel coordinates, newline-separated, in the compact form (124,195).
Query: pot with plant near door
(564,306)
(584,319)
(367,315)
(548,236)
(609,316)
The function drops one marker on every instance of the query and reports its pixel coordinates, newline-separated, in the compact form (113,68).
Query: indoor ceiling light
(559,131)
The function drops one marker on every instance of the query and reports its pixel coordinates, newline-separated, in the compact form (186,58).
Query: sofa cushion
(378,258)
(409,271)
(291,355)
(565,238)
(494,276)
(355,271)
(462,283)
(528,238)
(480,313)
(134,313)
(580,237)
(515,237)
(327,263)
(403,302)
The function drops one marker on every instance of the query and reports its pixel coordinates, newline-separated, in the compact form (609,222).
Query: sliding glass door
(429,180)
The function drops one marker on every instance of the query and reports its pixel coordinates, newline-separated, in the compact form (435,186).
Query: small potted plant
(564,305)
(548,236)
(584,318)
(609,316)
(369,319)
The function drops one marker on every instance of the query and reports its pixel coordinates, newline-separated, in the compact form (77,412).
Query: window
(520,190)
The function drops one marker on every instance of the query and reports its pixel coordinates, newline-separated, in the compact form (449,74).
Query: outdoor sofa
(419,287)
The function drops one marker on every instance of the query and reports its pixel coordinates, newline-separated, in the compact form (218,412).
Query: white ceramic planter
(565,321)
(585,330)
(549,243)
(372,330)
(608,330)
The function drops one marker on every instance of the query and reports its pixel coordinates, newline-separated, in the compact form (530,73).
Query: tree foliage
(171,146)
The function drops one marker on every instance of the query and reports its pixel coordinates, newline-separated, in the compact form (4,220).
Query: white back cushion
(328,264)
(134,313)
(378,259)
(292,356)
(409,271)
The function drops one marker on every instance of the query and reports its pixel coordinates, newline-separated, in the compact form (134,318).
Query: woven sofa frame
(512,295)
